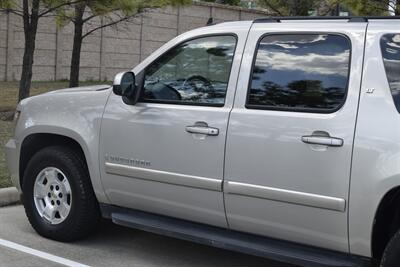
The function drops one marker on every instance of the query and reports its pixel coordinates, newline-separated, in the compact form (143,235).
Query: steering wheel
(194,81)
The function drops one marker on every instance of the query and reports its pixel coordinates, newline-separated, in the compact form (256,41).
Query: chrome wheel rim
(52,195)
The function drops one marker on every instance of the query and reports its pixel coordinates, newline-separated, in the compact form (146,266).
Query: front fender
(76,115)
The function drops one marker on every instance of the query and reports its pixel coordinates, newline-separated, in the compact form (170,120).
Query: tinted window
(194,72)
(307,72)
(390,46)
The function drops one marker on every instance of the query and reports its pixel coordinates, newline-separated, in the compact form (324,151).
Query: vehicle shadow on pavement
(159,250)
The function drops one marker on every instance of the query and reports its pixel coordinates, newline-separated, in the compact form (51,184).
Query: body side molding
(164,177)
(283,195)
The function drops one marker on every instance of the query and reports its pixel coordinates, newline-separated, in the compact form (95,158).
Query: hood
(82,89)
(68,92)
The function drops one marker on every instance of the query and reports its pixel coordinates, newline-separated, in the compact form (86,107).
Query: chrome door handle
(322,140)
(195,129)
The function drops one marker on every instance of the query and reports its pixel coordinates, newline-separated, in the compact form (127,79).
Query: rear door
(290,138)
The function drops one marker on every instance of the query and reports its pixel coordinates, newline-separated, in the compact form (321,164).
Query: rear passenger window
(390,46)
(300,72)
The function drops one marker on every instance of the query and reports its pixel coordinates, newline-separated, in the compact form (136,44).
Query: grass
(5,133)
(8,102)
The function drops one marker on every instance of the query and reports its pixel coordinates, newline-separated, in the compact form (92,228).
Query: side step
(278,250)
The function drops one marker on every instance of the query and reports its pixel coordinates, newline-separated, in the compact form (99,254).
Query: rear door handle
(322,140)
(195,129)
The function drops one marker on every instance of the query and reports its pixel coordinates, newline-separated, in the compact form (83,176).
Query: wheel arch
(36,141)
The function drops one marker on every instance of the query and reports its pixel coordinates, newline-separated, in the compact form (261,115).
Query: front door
(290,138)
(166,153)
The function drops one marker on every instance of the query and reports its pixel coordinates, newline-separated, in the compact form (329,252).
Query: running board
(273,249)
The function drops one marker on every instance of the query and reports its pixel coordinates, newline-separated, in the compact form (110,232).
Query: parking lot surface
(111,245)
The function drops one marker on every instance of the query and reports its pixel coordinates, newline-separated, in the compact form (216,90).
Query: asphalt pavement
(111,245)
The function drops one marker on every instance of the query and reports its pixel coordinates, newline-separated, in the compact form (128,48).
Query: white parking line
(40,254)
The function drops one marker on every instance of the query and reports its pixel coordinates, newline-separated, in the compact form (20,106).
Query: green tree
(289,7)
(372,7)
(31,11)
(111,13)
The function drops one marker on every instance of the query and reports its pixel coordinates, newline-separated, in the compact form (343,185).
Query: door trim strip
(283,195)
(164,177)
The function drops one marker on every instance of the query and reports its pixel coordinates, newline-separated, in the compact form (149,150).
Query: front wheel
(58,196)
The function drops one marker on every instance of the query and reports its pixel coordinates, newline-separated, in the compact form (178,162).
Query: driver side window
(194,72)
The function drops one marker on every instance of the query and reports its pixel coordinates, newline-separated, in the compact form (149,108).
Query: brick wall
(109,50)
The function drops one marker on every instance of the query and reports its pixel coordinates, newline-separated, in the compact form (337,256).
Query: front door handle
(196,129)
(322,140)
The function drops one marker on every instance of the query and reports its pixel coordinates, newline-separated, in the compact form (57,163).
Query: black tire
(391,255)
(84,212)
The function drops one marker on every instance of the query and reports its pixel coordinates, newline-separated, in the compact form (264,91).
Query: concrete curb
(8,196)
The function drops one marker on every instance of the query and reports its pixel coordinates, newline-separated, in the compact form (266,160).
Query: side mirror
(124,85)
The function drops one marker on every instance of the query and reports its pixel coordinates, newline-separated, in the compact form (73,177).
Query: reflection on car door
(290,134)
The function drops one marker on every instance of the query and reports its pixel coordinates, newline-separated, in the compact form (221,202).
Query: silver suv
(277,137)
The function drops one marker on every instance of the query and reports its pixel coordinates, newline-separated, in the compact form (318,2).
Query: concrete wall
(109,50)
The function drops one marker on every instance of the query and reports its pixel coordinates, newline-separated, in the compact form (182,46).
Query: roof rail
(348,18)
